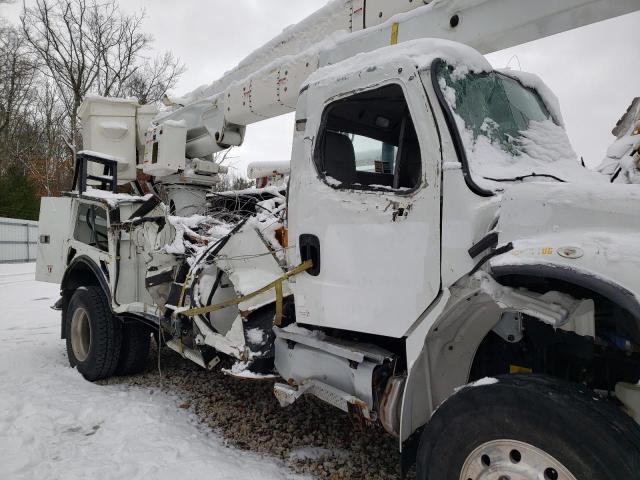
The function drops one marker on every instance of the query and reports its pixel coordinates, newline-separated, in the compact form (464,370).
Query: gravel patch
(310,437)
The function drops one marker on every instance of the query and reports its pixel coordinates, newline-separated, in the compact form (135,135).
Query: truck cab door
(364,202)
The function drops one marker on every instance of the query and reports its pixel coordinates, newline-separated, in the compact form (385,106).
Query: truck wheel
(93,335)
(134,352)
(528,427)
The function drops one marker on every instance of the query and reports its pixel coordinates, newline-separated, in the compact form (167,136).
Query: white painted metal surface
(164,152)
(18,240)
(109,127)
(54,233)
(378,273)
(602,225)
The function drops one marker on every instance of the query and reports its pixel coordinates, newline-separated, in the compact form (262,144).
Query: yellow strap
(394,33)
(183,290)
(277,284)
(277,319)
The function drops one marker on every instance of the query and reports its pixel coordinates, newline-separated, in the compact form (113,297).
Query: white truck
(438,260)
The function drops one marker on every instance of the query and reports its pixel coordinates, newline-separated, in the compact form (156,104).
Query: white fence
(18,240)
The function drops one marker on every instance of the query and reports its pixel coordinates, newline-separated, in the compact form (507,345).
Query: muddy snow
(55,425)
(187,423)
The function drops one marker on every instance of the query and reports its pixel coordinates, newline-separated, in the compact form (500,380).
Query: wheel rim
(80,334)
(512,460)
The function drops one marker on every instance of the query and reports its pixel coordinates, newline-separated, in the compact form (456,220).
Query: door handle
(310,250)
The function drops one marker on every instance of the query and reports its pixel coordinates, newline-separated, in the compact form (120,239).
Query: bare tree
(119,43)
(149,83)
(48,164)
(59,35)
(65,50)
(16,80)
(84,46)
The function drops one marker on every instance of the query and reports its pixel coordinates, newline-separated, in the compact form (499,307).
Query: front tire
(93,335)
(528,427)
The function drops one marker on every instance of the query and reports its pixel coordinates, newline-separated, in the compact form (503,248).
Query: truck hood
(589,234)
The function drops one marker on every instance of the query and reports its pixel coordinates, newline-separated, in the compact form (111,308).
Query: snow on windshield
(508,130)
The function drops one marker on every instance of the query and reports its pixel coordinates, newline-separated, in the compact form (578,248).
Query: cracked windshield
(510,132)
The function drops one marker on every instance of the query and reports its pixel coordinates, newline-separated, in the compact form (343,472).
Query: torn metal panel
(250,265)
(193,355)
(233,343)
(553,308)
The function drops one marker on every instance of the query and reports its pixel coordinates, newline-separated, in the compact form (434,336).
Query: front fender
(618,294)
(81,272)
(584,234)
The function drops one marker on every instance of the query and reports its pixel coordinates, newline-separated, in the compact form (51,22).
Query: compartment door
(53,233)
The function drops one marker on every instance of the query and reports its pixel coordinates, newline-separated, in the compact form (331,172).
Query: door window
(91,226)
(368,142)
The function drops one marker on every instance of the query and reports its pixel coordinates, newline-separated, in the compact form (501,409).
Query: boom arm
(266,83)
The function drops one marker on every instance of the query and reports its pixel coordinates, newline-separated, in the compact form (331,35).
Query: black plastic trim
(455,134)
(310,250)
(146,207)
(159,279)
(97,272)
(489,241)
(498,251)
(95,269)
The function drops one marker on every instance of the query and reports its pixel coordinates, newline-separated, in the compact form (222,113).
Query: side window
(368,141)
(91,226)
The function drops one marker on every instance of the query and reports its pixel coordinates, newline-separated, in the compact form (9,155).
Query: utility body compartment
(54,229)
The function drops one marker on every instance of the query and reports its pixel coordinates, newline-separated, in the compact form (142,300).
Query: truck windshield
(507,130)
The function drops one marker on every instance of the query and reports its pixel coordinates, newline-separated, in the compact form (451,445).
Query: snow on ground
(55,425)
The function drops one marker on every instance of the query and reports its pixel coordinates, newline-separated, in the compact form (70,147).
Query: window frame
(317,154)
(92,206)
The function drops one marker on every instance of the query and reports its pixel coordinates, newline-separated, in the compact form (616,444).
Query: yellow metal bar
(235,301)
(394,33)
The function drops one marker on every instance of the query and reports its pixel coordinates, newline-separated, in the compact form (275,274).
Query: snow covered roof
(421,52)
(113,199)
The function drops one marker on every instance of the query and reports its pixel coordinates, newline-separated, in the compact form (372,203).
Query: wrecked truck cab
(373,282)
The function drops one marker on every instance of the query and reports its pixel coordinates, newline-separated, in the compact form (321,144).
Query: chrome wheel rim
(512,460)
(80,334)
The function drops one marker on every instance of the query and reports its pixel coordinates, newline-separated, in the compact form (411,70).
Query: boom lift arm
(266,83)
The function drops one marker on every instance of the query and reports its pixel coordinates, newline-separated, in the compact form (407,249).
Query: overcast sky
(594,70)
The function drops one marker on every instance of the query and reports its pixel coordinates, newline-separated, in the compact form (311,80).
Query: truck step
(356,352)
(287,395)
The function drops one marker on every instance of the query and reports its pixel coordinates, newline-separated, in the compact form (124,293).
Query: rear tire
(529,426)
(134,353)
(93,335)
